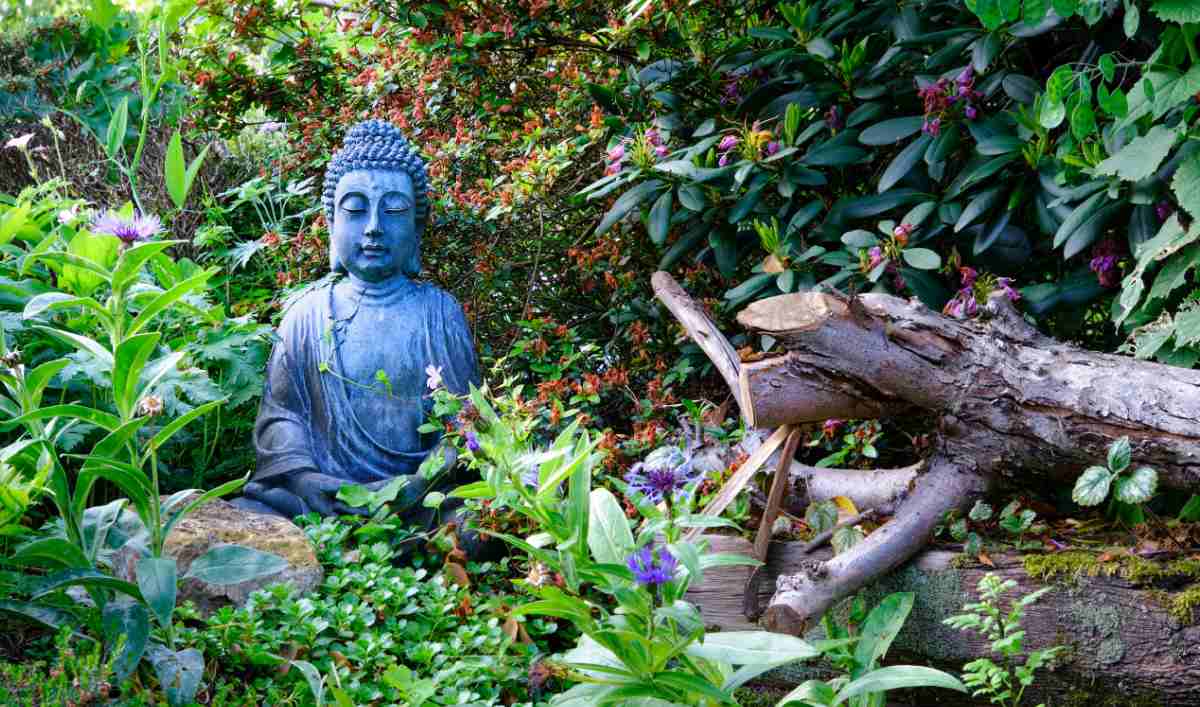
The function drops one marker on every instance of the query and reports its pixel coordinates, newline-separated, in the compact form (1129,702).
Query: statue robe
(323,408)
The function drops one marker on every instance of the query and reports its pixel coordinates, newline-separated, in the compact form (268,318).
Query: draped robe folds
(318,414)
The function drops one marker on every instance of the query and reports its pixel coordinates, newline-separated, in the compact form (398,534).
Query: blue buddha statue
(347,382)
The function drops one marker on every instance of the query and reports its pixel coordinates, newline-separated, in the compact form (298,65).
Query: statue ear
(412,268)
(335,263)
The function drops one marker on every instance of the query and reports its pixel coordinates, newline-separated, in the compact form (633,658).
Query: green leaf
(903,163)
(179,673)
(1119,453)
(14,219)
(1190,512)
(133,258)
(84,577)
(978,206)
(1051,113)
(164,300)
(127,619)
(609,537)
(922,258)
(832,154)
(96,417)
(1131,20)
(167,432)
(1180,11)
(1091,488)
(692,197)
(117,125)
(694,685)
(130,361)
(1083,120)
(752,647)
(49,553)
(897,677)
(660,218)
(156,579)
(891,131)
(812,692)
(626,203)
(174,171)
(882,626)
(1137,487)
(103,13)
(1142,156)
(1081,214)
(232,564)
(1186,184)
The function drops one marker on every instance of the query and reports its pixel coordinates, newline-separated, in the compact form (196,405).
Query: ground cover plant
(158,213)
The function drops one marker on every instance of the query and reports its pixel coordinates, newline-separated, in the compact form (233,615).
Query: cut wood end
(801,311)
(780,618)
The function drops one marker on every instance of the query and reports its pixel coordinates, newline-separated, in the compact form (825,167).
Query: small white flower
(68,215)
(433,376)
(20,142)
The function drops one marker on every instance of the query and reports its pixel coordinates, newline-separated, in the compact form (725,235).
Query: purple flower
(531,477)
(831,427)
(971,112)
(1005,283)
(723,159)
(472,442)
(653,137)
(650,567)
(1163,210)
(661,151)
(932,127)
(727,143)
(1104,262)
(966,77)
(617,153)
(876,256)
(130,231)
(772,147)
(834,118)
(664,474)
(968,276)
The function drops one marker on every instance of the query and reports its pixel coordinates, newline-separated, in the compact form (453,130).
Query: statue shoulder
(439,299)
(310,299)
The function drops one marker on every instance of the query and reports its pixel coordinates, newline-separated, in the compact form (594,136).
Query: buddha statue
(348,382)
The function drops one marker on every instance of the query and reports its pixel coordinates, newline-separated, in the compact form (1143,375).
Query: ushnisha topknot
(377,144)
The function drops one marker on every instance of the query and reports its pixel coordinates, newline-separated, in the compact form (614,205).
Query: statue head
(375,204)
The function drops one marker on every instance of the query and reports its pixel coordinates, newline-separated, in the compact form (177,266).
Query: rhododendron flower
(772,147)
(727,143)
(652,567)
(1104,262)
(129,230)
(833,118)
(661,151)
(876,257)
(971,112)
(932,127)
(617,153)
(1005,283)
(20,142)
(723,159)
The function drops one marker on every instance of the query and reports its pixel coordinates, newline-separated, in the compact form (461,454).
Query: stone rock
(219,522)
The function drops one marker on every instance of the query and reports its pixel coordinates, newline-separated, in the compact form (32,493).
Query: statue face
(374,224)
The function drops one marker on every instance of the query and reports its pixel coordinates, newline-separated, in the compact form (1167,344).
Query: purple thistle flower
(651,570)
(130,231)
(664,474)
(472,442)
(727,143)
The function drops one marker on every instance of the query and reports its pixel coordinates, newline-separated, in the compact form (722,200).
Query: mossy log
(1010,405)
(1128,623)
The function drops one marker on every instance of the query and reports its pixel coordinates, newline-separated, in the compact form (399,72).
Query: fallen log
(1009,403)
(1128,623)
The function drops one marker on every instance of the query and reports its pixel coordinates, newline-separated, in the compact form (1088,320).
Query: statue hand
(319,492)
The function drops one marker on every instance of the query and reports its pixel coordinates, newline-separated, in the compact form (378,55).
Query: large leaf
(117,125)
(627,202)
(891,131)
(132,259)
(1137,487)
(86,577)
(49,553)
(231,564)
(126,619)
(96,417)
(1091,488)
(1142,156)
(881,628)
(164,300)
(178,672)
(130,360)
(898,677)
(1180,11)
(811,692)
(156,578)
(609,537)
(903,163)
(1186,184)
(752,647)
